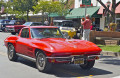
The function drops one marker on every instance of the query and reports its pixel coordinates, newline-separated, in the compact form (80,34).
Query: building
(104,17)
(79,12)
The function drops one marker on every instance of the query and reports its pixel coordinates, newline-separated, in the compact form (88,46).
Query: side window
(25,33)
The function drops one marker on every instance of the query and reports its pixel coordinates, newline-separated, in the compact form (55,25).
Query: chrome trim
(59,57)
(93,55)
(72,56)
(26,57)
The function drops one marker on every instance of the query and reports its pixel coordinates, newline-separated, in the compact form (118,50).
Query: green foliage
(65,7)
(2,3)
(60,7)
(20,8)
(113,48)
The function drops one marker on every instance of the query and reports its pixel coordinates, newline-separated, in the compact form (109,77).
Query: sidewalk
(109,53)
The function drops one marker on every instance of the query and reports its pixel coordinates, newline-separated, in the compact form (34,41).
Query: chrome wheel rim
(41,60)
(10,51)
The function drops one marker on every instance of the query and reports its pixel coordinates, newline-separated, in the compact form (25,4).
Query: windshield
(12,22)
(27,23)
(46,33)
(64,24)
(67,24)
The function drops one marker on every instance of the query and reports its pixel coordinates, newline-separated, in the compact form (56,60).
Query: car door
(23,42)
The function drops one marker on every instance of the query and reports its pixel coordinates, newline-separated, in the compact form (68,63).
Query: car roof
(41,27)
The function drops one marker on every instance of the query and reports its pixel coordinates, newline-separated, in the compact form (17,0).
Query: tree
(112,12)
(65,6)
(60,7)
(45,6)
(21,8)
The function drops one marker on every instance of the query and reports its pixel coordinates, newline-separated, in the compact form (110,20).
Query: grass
(112,48)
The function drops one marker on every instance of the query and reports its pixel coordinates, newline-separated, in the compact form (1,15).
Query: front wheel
(88,65)
(42,63)
(11,53)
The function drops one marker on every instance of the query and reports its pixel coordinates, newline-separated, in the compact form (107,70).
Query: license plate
(79,61)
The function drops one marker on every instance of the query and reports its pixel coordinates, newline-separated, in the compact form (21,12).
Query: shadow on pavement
(110,60)
(67,70)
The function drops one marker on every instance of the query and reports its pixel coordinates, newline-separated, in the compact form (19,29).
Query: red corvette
(46,45)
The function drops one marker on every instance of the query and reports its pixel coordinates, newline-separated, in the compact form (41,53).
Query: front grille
(63,59)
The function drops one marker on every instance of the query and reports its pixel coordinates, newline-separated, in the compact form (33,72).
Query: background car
(2,22)
(13,29)
(66,26)
(12,22)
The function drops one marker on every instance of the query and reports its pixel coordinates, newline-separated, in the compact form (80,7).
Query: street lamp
(108,5)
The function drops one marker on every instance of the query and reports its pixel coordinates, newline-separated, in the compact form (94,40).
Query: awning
(53,15)
(80,13)
(117,11)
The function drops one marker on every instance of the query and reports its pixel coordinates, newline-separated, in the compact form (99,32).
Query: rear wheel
(88,65)
(42,63)
(13,33)
(11,53)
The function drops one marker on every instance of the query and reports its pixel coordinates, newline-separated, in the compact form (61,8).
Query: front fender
(11,39)
(44,46)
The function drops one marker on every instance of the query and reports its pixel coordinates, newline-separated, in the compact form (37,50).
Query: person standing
(46,22)
(86,28)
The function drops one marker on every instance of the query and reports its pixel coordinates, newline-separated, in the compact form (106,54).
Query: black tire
(42,63)
(13,33)
(88,65)
(11,53)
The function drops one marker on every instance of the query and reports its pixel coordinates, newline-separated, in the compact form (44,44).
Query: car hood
(71,45)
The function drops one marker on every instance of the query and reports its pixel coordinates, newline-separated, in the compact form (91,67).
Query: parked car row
(4,23)
(14,26)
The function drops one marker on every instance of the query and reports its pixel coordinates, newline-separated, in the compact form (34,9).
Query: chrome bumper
(10,30)
(72,58)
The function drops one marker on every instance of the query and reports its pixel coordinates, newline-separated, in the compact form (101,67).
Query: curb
(108,53)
